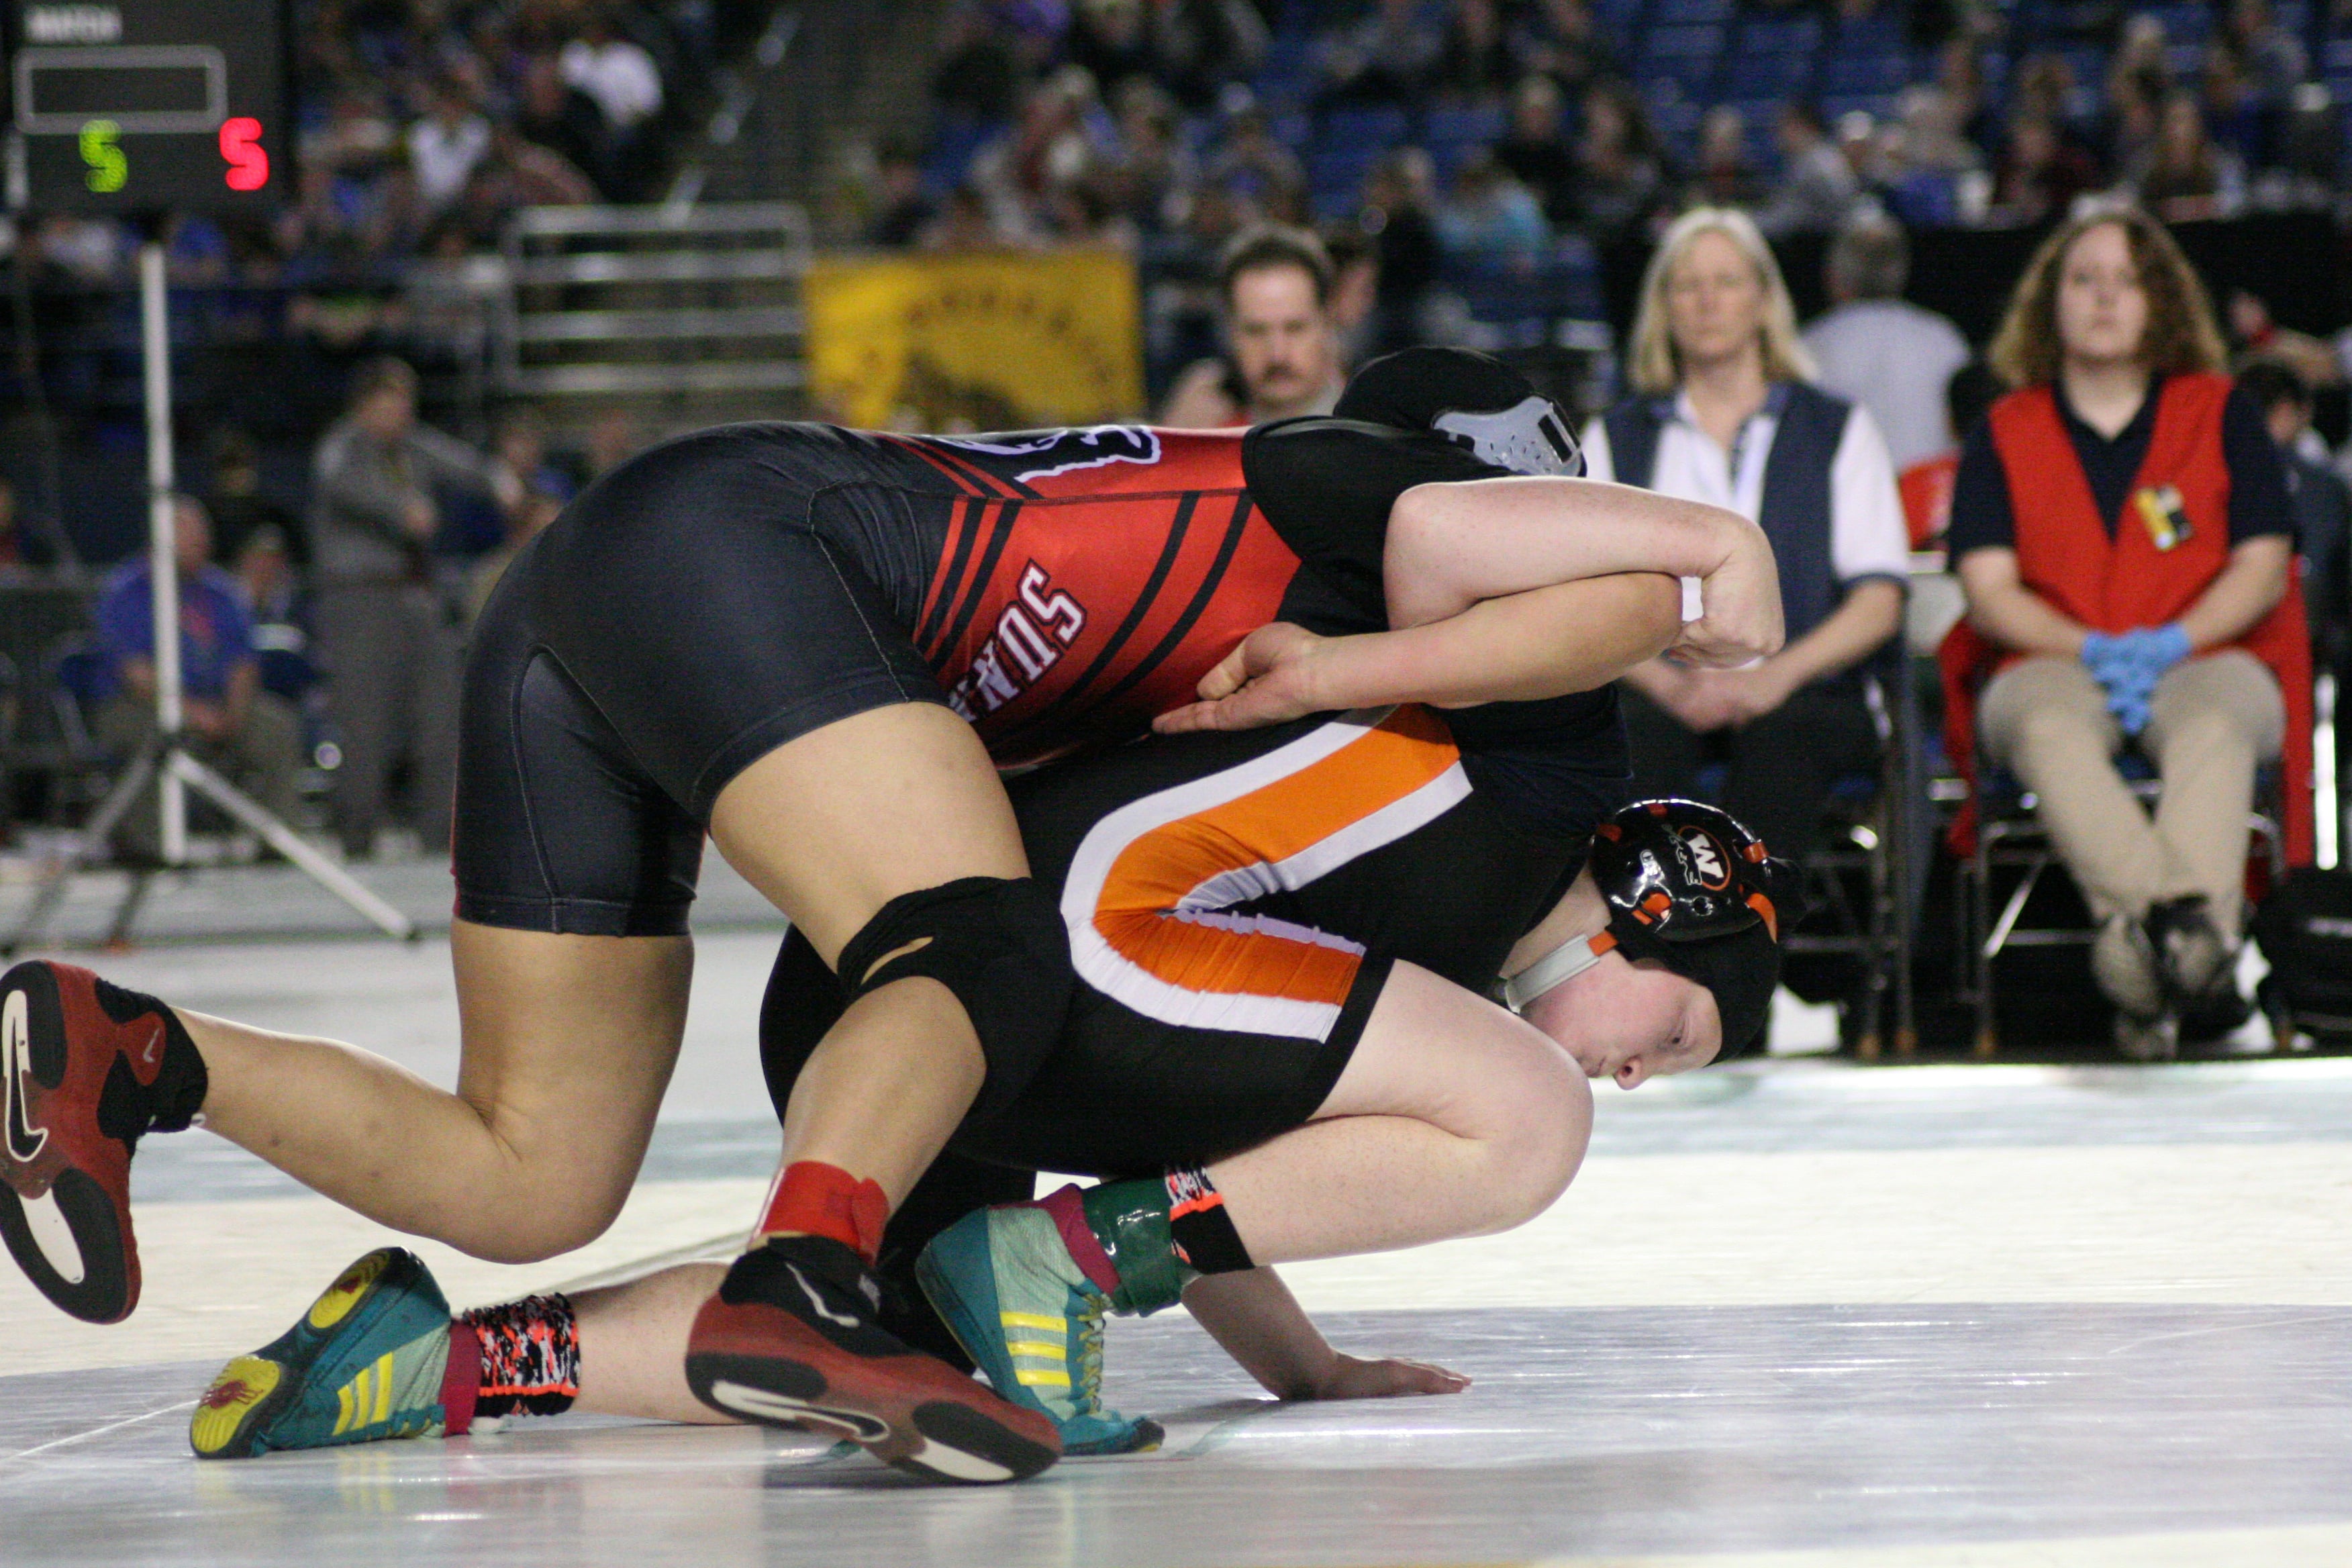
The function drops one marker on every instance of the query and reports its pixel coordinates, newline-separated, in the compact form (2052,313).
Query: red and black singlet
(1086,579)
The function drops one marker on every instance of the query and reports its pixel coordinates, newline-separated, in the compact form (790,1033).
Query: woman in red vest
(2120,524)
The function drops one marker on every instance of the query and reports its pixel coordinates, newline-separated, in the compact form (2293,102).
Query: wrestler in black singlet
(717,595)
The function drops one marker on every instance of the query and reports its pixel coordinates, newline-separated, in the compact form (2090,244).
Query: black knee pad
(1000,946)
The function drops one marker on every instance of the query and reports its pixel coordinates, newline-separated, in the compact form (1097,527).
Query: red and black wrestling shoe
(791,1340)
(86,1068)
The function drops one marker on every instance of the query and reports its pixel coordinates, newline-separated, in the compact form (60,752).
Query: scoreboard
(123,106)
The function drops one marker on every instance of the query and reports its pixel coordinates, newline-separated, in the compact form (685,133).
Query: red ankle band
(812,1198)
(1085,1247)
(462,1383)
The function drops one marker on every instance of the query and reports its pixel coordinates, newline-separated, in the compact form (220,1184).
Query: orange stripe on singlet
(1153,886)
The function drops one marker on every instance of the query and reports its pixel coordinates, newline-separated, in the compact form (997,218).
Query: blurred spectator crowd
(422,123)
(1481,139)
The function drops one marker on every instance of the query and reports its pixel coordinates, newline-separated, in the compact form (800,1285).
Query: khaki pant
(2213,720)
(261,756)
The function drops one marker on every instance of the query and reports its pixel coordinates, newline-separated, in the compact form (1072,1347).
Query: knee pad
(1000,947)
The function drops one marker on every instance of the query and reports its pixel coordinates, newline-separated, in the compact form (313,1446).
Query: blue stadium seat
(1378,127)
(1873,73)
(1879,33)
(1280,90)
(2188,23)
(1704,41)
(1926,198)
(1759,116)
(1683,13)
(2336,63)
(1522,309)
(1877,105)
(952,147)
(1690,58)
(1799,36)
(1335,180)
(1672,115)
(1287,53)
(2089,64)
(1455,136)
(1762,76)
(1618,19)
(1287,75)
(1478,123)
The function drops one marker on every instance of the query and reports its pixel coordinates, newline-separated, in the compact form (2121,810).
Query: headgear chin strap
(1555,969)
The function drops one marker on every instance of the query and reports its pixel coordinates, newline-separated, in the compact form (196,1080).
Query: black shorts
(1124,1094)
(684,617)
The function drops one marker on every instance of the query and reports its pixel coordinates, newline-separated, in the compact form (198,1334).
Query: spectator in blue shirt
(226,719)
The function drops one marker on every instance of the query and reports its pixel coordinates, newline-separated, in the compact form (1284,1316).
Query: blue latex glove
(2153,650)
(2131,709)
(2103,656)
(2130,665)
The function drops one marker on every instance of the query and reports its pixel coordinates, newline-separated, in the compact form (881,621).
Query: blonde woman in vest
(1724,412)
(2120,523)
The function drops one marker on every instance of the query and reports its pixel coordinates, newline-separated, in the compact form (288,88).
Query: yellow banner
(988,342)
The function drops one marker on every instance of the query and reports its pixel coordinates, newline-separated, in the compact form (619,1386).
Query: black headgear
(1475,401)
(1688,885)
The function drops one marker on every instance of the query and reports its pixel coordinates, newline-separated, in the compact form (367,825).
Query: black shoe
(2193,956)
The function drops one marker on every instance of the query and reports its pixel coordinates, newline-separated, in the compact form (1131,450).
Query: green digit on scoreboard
(110,171)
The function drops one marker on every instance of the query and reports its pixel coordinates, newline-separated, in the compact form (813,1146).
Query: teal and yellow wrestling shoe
(1025,1311)
(367,1362)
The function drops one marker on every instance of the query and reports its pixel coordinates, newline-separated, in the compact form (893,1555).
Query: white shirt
(1867,537)
(443,156)
(1895,359)
(620,75)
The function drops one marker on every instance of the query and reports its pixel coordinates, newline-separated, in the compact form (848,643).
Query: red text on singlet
(1090,577)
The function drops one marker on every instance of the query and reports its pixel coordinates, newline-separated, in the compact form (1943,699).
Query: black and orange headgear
(1688,885)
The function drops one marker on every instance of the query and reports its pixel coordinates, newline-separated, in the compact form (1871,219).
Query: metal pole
(163,538)
(176,771)
(290,844)
(2324,740)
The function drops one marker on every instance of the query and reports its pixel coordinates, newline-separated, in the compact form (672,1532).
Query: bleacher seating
(1454,135)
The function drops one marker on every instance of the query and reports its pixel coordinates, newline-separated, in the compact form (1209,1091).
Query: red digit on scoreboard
(240,143)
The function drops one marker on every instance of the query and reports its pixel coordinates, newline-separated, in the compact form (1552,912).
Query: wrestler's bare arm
(1571,636)
(1261,1325)
(1545,642)
(1450,546)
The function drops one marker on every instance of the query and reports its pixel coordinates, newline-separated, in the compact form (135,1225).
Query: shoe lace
(1087,1394)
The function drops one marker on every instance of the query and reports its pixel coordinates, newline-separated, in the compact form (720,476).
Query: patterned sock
(1201,1229)
(529,1357)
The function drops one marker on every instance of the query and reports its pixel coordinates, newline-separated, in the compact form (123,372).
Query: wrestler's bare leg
(633,1344)
(568,1041)
(567,1044)
(1452,1118)
(831,828)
